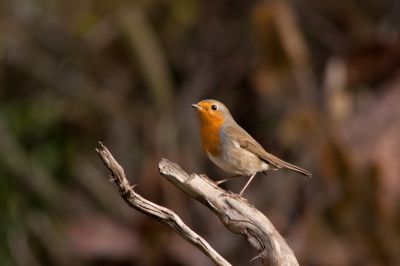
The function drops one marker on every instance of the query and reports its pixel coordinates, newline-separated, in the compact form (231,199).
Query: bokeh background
(317,83)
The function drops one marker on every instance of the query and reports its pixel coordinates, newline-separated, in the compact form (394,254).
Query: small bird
(231,148)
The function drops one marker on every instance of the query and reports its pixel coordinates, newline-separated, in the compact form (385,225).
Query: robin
(231,148)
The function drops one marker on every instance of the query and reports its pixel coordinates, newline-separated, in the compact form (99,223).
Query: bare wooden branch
(159,213)
(235,213)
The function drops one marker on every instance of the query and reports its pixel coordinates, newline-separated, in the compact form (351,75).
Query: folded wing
(247,142)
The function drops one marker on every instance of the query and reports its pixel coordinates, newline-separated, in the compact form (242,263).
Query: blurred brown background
(317,83)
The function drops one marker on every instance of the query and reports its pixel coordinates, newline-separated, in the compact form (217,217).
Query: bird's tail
(280,163)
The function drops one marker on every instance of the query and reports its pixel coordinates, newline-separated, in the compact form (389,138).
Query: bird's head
(212,112)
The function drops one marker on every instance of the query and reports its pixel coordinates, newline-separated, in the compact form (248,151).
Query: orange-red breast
(231,148)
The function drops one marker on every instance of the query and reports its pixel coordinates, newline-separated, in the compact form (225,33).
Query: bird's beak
(197,106)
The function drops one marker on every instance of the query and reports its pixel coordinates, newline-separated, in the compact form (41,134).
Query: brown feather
(245,141)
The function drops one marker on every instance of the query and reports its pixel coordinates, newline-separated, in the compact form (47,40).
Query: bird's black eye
(214,107)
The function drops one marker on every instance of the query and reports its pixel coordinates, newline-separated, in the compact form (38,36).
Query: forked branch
(234,212)
(159,213)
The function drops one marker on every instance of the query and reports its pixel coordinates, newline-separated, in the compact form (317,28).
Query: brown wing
(247,142)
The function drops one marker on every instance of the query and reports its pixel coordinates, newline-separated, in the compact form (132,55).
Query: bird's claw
(227,193)
(239,197)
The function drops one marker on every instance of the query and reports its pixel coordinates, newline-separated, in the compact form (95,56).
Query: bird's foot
(228,193)
(217,182)
(239,197)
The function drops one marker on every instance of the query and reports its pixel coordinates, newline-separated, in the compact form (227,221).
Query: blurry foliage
(315,82)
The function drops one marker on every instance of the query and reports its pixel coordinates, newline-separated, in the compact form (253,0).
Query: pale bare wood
(235,213)
(159,213)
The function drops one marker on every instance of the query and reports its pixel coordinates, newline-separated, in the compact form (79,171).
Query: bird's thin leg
(248,182)
(224,180)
